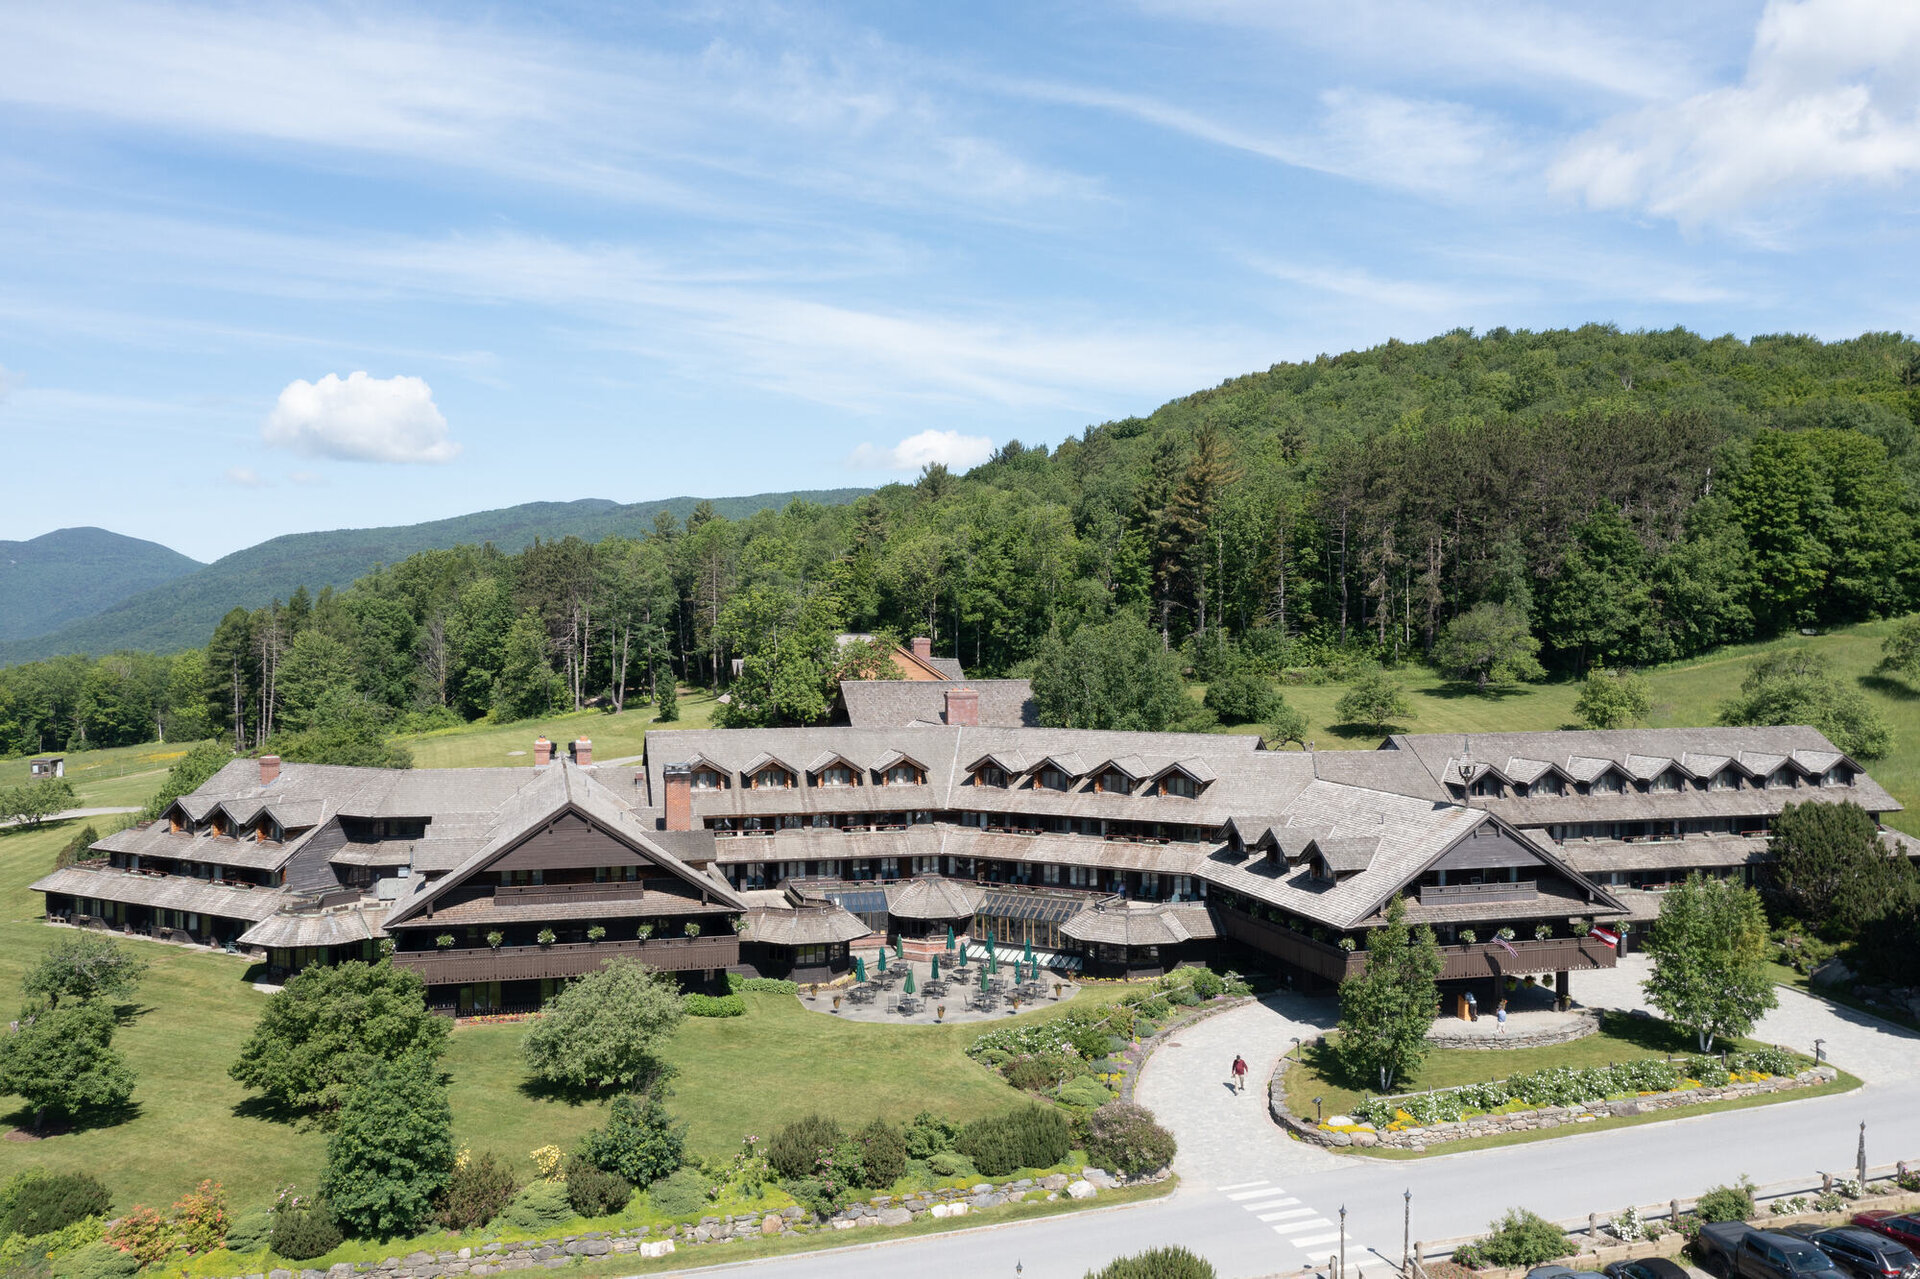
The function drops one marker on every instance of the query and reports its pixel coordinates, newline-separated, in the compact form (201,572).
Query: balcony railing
(452,967)
(1554,954)
(541,894)
(1525,890)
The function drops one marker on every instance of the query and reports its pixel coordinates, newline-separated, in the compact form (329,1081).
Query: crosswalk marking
(1274,1199)
(1242,1185)
(1291,1212)
(1316,1239)
(1254,1194)
(1295,1227)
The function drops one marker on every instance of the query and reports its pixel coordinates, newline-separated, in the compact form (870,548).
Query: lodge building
(786,851)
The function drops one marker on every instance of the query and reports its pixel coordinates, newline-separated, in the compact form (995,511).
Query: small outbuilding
(47,768)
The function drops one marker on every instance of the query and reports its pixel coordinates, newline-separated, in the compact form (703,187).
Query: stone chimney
(542,752)
(269,768)
(963,708)
(922,647)
(678,782)
(583,751)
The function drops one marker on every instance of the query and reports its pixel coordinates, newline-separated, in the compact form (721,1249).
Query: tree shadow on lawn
(1352,732)
(571,1095)
(1455,690)
(100,1117)
(274,1111)
(1897,689)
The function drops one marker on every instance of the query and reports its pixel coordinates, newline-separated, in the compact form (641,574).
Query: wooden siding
(1525,890)
(1289,947)
(571,843)
(309,870)
(1487,851)
(543,894)
(1556,954)
(524,963)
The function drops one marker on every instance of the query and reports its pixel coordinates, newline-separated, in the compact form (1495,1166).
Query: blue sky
(273,268)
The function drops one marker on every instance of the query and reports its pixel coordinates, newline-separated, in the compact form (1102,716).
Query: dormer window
(1779,779)
(1178,784)
(1113,782)
(991,776)
(1054,779)
(837,775)
(1608,783)
(1723,780)
(1666,783)
(1547,785)
(706,779)
(1487,787)
(902,775)
(772,777)
(1838,775)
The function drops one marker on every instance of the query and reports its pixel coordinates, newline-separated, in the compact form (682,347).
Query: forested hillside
(1628,498)
(181,614)
(71,573)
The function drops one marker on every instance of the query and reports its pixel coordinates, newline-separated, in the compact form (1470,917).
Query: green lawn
(1317,1073)
(121,776)
(489,745)
(1685,694)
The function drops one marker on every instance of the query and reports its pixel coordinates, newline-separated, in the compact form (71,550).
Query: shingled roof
(895,703)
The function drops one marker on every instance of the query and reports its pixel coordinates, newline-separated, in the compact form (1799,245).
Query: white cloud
(245,476)
(948,448)
(361,418)
(1831,96)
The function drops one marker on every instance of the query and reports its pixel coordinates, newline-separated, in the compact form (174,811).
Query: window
(706,779)
(1608,783)
(1487,786)
(615,874)
(809,956)
(1115,782)
(991,776)
(1050,874)
(1177,784)
(772,777)
(1054,779)
(1723,780)
(1666,782)
(838,775)
(1838,775)
(1779,779)
(889,868)
(903,775)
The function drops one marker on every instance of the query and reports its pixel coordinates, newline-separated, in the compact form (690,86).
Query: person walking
(1500,1016)
(1239,1073)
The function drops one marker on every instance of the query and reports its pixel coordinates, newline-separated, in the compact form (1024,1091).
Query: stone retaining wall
(644,1241)
(1525,1120)
(1137,1062)
(1588,1023)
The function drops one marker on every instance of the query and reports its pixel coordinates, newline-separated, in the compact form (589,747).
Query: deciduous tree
(1613,699)
(1488,644)
(1375,700)
(82,967)
(1793,686)
(1386,1009)
(391,1153)
(63,1060)
(605,1029)
(1709,950)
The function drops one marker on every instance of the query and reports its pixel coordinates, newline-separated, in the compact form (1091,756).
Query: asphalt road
(1256,1204)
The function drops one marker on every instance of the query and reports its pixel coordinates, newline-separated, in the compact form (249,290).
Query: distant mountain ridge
(180,611)
(69,574)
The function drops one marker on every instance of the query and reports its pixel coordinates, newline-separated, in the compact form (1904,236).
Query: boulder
(1366,1139)
(842,1223)
(1054,1181)
(895,1216)
(771,1224)
(1832,973)
(1100,1177)
(1081,1190)
(656,1248)
(983,1188)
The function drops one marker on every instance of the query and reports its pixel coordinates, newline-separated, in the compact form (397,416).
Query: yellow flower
(548,1160)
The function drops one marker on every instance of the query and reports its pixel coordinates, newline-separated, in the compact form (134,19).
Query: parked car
(1860,1252)
(1903,1226)
(1560,1272)
(1735,1250)
(1646,1268)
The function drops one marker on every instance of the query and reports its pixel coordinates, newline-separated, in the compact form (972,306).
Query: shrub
(97,1260)
(1156,1263)
(1085,1092)
(797,1148)
(684,1194)
(928,1134)
(1034,1074)
(883,1154)
(479,1190)
(642,1141)
(823,1198)
(538,1206)
(200,1218)
(303,1230)
(1207,983)
(766,985)
(594,1193)
(951,1163)
(144,1233)
(1031,1137)
(1522,1238)
(1183,997)
(391,1155)
(38,1202)
(1124,1139)
(250,1230)
(1727,1203)
(699,1005)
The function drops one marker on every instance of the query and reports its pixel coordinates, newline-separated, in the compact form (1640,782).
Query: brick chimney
(269,768)
(922,647)
(963,708)
(542,752)
(583,751)
(678,783)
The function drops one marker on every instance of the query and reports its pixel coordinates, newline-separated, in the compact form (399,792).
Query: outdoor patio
(910,992)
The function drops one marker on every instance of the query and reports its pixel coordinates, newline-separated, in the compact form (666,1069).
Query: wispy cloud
(1830,98)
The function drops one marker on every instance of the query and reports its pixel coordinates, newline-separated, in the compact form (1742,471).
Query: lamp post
(1343,1242)
(1316,1110)
(1861,1158)
(1819,1051)
(1406,1233)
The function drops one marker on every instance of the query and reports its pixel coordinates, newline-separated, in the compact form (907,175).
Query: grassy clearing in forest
(488,745)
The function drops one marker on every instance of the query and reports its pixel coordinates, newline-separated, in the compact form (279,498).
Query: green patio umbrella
(936,969)
(909,986)
(993,956)
(983,980)
(883,959)
(899,949)
(859,968)
(949,939)
(1029,951)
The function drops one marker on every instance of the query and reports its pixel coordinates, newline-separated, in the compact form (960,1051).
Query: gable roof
(897,703)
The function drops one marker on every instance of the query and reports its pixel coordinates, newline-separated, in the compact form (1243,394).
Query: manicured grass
(1317,1073)
(1685,694)
(488,745)
(121,775)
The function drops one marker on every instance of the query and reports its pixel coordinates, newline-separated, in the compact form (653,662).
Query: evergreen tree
(526,685)
(1386,1009)
(391,1153)
(1831,869)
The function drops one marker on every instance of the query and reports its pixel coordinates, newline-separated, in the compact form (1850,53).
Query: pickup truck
(1735,1250)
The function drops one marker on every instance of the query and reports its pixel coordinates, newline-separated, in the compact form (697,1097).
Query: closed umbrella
(1029,951)
(859,968)
(949,939)
(936,969)
(909,986)
(993,957)
(883,959)
(983,980)
(899,949)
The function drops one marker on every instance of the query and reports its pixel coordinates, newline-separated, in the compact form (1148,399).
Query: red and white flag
(1608,936)
(1507,946)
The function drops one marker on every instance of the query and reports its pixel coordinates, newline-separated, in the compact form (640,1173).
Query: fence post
(1593,1230)
(1673,1214)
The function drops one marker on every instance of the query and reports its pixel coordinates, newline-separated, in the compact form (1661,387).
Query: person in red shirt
(1239,1073)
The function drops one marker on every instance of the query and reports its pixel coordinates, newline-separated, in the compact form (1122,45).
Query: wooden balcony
(1555,954)
(545,894)
(452,967)
(1525,890)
